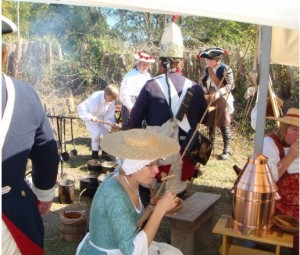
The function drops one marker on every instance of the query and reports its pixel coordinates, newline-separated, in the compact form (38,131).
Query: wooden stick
(152,194)
(159,189)
(103,122)
(164,179)
(168,177)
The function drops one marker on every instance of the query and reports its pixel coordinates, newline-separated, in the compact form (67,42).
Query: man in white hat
(132,84)
(25,134)
(158,104)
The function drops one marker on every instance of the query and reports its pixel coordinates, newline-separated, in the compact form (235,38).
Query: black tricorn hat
(211,53)
(8,26)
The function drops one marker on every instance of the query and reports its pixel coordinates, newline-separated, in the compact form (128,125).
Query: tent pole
(265,49)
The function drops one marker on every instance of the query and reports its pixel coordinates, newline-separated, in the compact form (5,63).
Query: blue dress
(113,220)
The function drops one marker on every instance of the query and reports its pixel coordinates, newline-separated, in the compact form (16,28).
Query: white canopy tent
(282,16)
(276,13)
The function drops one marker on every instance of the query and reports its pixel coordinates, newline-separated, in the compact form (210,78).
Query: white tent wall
(277,14)
(285,46)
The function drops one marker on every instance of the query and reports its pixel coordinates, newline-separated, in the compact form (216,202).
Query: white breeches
(9,245)
(96,130)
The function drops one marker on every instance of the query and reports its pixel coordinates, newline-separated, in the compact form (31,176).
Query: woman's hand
(284,164)
(294,149)
(168,201)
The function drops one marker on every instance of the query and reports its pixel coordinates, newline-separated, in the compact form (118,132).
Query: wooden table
(222,227)
(193,221)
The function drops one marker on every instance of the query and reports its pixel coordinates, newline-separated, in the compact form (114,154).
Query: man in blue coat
(158,105)
(25,134)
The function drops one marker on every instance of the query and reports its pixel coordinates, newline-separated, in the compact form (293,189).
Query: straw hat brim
(287,120)
(137,57)
(139,144)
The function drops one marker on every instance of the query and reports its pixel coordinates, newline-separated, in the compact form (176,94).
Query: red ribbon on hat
(175,18)
(292,115)
(144,55)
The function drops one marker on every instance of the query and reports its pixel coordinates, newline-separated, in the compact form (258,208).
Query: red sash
(25,245)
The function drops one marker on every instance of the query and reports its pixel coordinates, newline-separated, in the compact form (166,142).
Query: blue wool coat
(151,105)
(29,137)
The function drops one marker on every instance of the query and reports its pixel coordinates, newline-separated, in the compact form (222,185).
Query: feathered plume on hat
(171,44)
(211,53)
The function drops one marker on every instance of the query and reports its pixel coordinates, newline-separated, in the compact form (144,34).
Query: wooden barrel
(73,225)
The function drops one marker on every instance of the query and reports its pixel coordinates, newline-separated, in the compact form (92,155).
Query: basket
(287,223)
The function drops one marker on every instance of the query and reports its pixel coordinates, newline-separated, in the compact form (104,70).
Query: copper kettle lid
(256,176)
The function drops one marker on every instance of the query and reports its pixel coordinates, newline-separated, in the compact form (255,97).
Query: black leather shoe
(95,155)
(107,157)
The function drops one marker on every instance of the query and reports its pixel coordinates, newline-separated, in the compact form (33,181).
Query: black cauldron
(94,165)
(88,185)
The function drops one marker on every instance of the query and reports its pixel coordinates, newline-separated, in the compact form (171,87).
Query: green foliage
(138,27)
(92,47)
(10,10)
(214,32)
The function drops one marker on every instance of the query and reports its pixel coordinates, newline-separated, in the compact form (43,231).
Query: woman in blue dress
(119,224)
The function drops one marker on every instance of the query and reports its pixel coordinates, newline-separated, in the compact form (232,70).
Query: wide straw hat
(8,26)
(139,144)
(143,57)
(171,44)
(291,117)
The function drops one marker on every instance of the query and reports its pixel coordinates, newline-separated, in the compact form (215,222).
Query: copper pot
(255,193)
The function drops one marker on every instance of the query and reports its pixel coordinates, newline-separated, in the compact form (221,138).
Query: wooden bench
(193,221)
(223,227)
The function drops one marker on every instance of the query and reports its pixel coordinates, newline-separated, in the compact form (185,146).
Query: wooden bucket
(73,223)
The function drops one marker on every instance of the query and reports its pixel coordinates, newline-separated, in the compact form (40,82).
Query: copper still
(255,193)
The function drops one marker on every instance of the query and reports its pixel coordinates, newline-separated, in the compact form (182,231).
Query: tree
(137,27)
